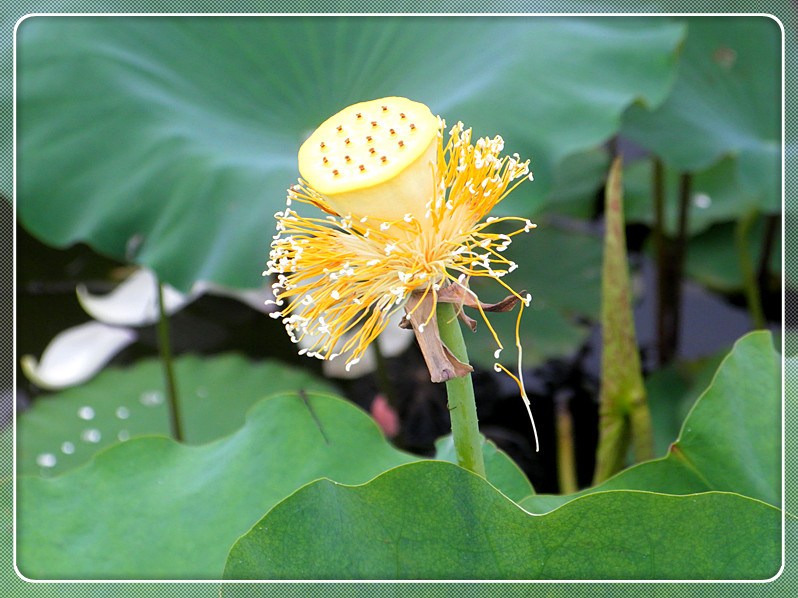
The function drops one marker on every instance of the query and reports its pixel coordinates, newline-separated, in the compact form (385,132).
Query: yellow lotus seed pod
(374,159)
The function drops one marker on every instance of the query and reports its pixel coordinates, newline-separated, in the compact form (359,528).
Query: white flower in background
(134,302)
(79,353)
(76,355)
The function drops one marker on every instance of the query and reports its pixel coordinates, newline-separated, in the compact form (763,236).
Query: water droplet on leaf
(46,460)
(91,435)
(86,413)
(151,398)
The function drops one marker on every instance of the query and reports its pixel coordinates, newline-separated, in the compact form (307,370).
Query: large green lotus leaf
(214,394)
(14,586)
(170,141)
(726,102)
(730,441)
(154,509)
(716,197)
(561,269)
(433,520)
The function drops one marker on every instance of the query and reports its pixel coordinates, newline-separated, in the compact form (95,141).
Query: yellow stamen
(409,222)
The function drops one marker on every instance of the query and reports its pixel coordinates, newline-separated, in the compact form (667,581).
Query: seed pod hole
(368,133)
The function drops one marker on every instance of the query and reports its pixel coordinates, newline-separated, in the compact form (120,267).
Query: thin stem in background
(460,391)
(685,196)
(671,253)
(165,354)
(566,457)
(750,286)
(768,243)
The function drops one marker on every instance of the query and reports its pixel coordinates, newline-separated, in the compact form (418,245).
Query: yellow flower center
(374,159)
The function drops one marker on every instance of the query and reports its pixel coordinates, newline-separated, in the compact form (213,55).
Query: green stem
(642,430)
(462,406)
(165,353)
(771,230)
(750,285)
(566,458)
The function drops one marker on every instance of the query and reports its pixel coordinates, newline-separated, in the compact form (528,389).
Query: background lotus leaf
(717,196)
(561,269)
(170,141)
(121,403)
(724,103)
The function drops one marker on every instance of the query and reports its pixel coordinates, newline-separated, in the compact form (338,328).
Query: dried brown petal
(441,363)
(460,296)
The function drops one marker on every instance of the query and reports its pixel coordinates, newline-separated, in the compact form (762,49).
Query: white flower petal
(254,298)
(394,340)
(134,302)
(76,355)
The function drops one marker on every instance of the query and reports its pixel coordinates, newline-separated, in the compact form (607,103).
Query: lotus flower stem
(165,354)
(460,391)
